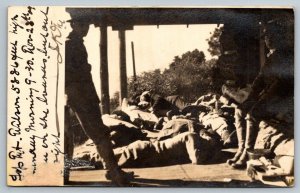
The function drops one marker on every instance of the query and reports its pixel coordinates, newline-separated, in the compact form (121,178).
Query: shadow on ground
(140,182)
(222,157)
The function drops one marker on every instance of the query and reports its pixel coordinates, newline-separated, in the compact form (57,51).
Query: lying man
(174,127)
(197,148)
(162,107)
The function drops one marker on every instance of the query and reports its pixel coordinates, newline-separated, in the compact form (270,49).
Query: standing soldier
(271,94)
(84,101)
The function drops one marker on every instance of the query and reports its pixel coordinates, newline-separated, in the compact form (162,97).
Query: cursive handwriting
(44,97)
(14,51)
(31,126)
(16,119)
(44,32)
(17,152)
(18,172)
(27,16)
(44,120)
(56,151)
(32,150)
(35,44)
(15,25)
(29,47)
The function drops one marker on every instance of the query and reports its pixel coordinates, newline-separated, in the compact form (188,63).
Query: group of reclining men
(165,131)
(170,133)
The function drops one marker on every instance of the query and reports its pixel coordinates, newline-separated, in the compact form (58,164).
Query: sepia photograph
(199,97)
(180,97)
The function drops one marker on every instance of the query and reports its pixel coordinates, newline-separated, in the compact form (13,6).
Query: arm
(274,87)
(257,85)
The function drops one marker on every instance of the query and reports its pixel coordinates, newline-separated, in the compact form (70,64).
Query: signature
(56,35)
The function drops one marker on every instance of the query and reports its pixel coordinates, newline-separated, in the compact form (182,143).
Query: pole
(134,72)
(104,84)
(123,73)
(133,61)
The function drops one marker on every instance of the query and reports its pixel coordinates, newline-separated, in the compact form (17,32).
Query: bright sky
(154,48)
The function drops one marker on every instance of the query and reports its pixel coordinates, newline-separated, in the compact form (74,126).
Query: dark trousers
(89,115)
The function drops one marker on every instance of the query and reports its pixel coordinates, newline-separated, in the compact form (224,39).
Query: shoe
(242,162)
(119,177)
(235,158)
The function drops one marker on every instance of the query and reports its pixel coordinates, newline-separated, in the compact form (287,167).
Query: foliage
(153,80)
(214,42)
(188,76)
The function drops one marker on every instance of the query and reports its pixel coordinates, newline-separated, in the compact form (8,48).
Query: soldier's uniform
(84,101)
(271,95)
(196,148)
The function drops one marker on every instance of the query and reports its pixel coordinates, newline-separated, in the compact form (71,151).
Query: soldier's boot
(114,173)
(251,134)
(126,175)
(241,163)
(236,157)
(240,126)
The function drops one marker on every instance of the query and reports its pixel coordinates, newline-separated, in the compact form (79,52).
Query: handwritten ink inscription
(34,50)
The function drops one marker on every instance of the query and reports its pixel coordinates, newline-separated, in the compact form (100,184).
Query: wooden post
(133,61)
(123,73)
(262,47)
(134,72)
(104,80)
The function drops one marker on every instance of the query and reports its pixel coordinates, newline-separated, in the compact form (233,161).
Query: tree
(153,80)
(186,72)
(214,42)
(188,76)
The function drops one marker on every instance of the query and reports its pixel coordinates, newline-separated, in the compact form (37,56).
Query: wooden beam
(104,78)
(169,16)
(122,27)
(123,73)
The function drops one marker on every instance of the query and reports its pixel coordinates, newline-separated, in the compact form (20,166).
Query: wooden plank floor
(217,174)
(187,175)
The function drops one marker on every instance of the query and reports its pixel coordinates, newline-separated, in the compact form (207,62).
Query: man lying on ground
(187,147)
